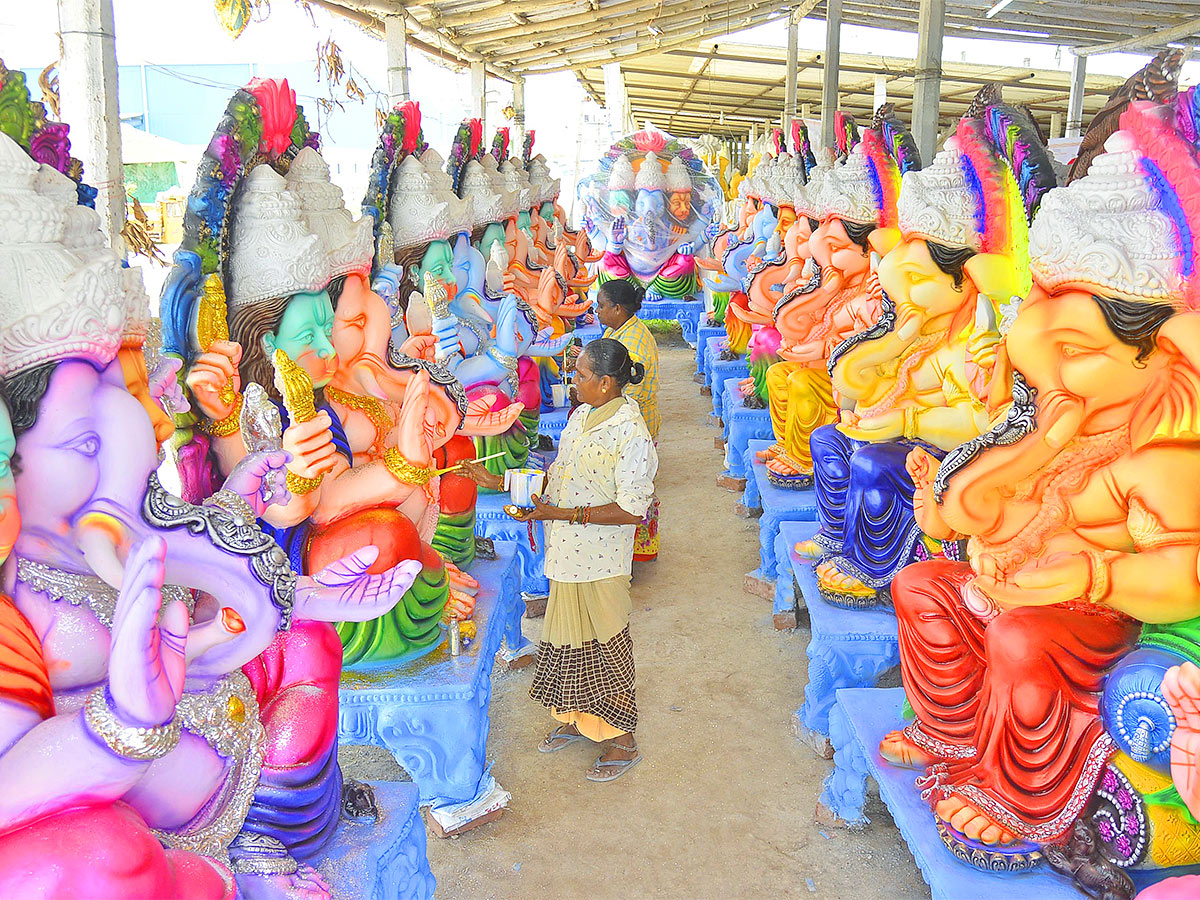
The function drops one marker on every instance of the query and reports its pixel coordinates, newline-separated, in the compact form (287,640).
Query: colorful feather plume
(777,140)
(500,145)
(1170,165)
(527,149)
(1158,80)
(462,151)
(802,146)
(897,138)
(885,176)
(845,133)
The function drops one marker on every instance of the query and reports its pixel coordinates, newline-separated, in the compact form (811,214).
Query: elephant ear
(1172,413)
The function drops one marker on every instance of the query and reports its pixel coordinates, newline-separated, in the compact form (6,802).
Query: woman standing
(617,307)
(599,489)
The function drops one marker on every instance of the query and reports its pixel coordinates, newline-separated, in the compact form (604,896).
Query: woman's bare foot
(968,821)
(621,749)
(897,749)
(835,581)
(559,738)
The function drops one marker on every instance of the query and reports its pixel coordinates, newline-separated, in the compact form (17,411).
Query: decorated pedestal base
(742,426)
(704,334)
(718,371)
(687,313)
(847,648)
(859,721)
(432,713)
(551,424)
(385,858)
(778,506)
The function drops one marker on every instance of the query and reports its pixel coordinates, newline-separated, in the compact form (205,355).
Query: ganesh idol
(840,296)
(648,206)
(150,612)
(1081,514)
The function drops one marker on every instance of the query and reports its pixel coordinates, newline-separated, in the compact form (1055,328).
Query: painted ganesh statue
(646,209)
(1053,676)
(151,696)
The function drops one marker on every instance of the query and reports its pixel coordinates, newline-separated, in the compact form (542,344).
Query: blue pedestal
(778,506)
(703,334)
(432,713)
(862,717)
(719,371)
(686,312)
(492,522)
(751,500)
(849,648)
(588,333)
(385,859)
(742,426)
(551,424)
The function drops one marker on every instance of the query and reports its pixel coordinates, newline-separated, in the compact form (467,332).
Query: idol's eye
(1071,351)
(88,445)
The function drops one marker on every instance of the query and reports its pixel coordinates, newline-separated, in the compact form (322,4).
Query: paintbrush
(455,468)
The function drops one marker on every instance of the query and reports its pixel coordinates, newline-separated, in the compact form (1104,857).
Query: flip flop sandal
(549,745)
(612,769)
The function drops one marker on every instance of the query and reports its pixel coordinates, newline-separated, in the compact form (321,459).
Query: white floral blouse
(614,461)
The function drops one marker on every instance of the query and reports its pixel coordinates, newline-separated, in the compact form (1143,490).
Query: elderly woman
(617,306)
(599,489)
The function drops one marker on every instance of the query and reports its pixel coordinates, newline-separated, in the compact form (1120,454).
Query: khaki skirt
(585,673)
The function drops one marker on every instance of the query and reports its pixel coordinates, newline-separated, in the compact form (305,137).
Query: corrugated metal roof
(525,37)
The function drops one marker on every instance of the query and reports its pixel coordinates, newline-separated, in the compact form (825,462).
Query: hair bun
(637,373)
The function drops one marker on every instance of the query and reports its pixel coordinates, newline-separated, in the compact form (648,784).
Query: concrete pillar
(1056,123)
(833,62)
(87,78)
(789,78)
(880,92)
(806,110)
(396,42)
(479,94)
(518,90)
(927,89)
(1075,101)
(614,99)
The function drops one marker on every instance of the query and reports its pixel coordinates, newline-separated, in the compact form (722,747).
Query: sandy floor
(722,805)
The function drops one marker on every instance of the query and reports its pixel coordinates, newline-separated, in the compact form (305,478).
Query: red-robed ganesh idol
(1082,508)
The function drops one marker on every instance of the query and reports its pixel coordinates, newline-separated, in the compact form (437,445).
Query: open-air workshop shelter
(665,60)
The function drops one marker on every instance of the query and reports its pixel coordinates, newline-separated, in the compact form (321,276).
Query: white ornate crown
(53,304)
(847,193)
(620,177)
(137,308)
(938,204)
(349,245)
(1104,233)
(516,181)
(679,176)
(545,187)
(489,204)
(423,209)
(811,203)
(650,176)
(82,234)
(273,253)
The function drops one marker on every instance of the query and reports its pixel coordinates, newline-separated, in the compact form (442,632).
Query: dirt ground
(722,805)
